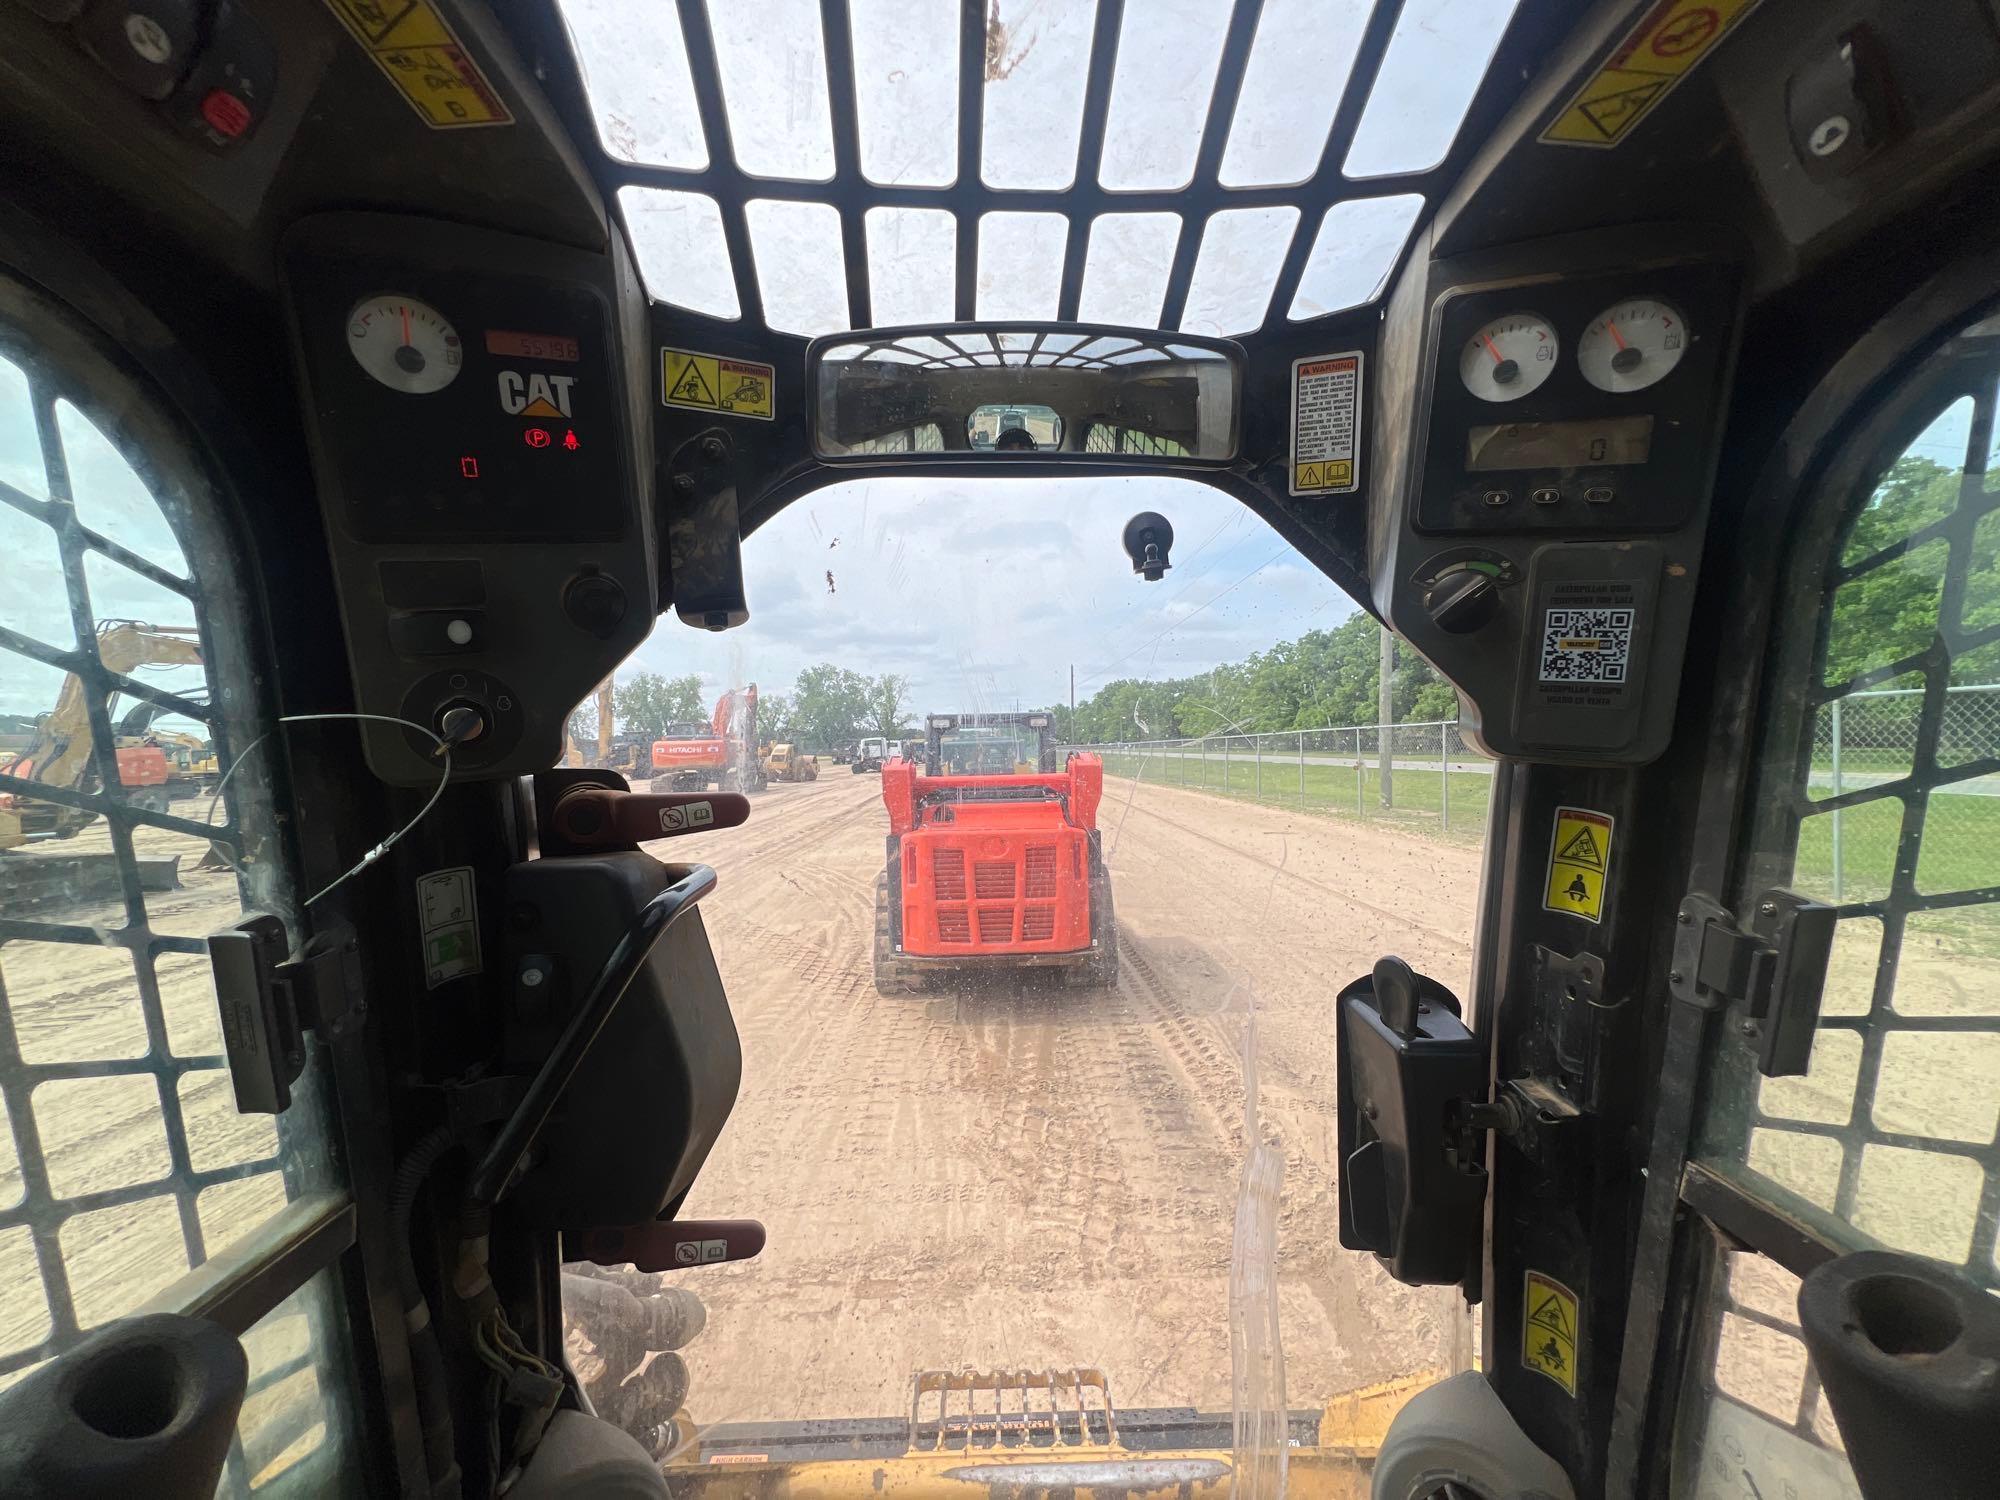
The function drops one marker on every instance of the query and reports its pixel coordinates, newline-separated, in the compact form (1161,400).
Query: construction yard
(1016,1175)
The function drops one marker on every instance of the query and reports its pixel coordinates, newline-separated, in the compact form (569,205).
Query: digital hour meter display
(514,345)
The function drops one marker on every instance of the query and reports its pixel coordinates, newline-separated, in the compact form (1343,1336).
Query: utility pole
(1385,716)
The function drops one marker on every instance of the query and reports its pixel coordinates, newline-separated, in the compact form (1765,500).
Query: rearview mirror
(1001,393)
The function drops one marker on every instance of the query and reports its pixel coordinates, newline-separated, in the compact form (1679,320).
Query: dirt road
(1024,1177)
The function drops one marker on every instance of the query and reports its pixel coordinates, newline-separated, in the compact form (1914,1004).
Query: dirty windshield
(1038,1077)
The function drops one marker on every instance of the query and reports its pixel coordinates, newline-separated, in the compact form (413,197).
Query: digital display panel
(533,345)
(1558,445)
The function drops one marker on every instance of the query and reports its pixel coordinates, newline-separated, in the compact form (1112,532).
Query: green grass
(1329,789)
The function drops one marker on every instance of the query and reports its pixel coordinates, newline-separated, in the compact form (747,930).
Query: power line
(1274,557)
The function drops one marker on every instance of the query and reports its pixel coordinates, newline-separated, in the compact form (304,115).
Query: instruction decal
(1548,1330)
(448,916)
(687,815)
(1579,861)
(708,382)
(1656,54)
(1326,424)
(419,53)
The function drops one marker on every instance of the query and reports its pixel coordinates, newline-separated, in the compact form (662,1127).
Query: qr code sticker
(1586,645)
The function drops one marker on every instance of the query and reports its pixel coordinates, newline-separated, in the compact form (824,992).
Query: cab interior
(380,1120)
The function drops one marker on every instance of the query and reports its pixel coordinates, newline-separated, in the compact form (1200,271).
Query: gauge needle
(1493,349)
(406,326)
(1753,1485)
(1616,337)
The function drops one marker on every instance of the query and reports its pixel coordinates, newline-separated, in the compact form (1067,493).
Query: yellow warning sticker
(1656,54)
(417,50)
(708,382)
(1579,860)
(1548,1330)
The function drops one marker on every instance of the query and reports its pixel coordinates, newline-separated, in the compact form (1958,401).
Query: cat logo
(535,395)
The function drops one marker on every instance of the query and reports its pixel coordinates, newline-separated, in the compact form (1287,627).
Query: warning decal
(417,51)
(1548,1330)
(1658,53)
(708,382)
(1579,860)
(1326,413)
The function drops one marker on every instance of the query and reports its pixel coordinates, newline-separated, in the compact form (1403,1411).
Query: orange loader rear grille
(1038,924)
(948,875)
(996,924)
(954,926)
(1041,881)
(993,880)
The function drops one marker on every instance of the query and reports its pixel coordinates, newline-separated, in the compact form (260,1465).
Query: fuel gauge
(1509,357)
(404,343)
(1632,345)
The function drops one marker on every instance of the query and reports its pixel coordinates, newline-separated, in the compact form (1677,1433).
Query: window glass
(124,1162)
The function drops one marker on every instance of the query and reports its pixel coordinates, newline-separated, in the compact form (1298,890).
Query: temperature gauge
(1509,357)
(404,343)
(1630,346)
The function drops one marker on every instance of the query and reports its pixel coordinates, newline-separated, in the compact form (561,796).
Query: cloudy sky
(984,592)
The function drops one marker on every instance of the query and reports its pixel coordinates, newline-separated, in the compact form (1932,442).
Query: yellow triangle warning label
(540,408)
(1553,1315)
(1309,477)
(1582,849)
(691,388)
(1549,1330)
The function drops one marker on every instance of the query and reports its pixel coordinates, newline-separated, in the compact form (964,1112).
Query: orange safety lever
(597,817)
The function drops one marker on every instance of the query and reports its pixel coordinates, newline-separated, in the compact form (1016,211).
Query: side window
(1879,792)
(128,683)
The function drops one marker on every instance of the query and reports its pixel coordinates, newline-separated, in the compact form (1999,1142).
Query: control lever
(1412,1181)
(598,817)
(668,1247)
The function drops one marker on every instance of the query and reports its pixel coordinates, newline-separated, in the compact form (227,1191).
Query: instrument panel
(1582,404)
(485,468)
(1542,536)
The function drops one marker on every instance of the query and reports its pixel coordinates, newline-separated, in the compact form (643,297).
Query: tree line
(828,707)
(1325,677)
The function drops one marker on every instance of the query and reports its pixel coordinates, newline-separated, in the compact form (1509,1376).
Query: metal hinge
(268,1000)
(1775,971)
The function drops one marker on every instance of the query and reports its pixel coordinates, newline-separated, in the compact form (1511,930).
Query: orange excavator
(722,755)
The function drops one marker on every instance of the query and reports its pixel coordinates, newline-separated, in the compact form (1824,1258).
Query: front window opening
(125,688)
(1005,1145)
(1876,798)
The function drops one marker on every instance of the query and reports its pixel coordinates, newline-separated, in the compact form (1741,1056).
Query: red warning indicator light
(569,440)
(536,437)
(469,467)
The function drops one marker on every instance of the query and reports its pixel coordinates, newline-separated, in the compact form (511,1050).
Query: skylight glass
(1292,84)
(772,62)
(906,90)
(1168,52)
(912,261)
(1436,60)
(1125,272)
(1242,252)
(635,70)
(1021,265)
(1355,250)
(677,238)
(1037,62)
(800,271)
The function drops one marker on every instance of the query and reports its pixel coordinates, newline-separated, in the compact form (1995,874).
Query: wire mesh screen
(1887,805)
(125,1162)
(1423,777)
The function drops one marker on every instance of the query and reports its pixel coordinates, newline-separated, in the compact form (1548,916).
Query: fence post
(1444,780)
(1225,765)
(1204,763)
(1836,811)
(1302,770)
(1259,743)
(1359,811)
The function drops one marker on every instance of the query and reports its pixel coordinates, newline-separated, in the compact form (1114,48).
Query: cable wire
(444,779)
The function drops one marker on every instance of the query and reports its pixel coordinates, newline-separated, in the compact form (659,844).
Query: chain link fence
(1421,776)
(1868,740)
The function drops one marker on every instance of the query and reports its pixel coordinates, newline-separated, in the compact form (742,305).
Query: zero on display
(1632,344)
(1509,357)
(406,344)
